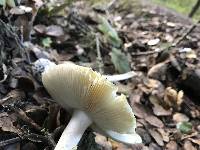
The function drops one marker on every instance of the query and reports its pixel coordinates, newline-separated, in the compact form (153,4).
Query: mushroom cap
(82,88)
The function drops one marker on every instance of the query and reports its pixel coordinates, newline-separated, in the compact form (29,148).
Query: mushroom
(94,102)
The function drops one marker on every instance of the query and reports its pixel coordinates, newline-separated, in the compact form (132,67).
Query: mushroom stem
(74,131)
(119,77)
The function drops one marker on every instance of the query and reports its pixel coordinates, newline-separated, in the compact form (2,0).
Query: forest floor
(161,46)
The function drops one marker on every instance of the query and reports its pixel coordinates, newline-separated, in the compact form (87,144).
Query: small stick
(99,58)
(186,34)
(22,115)
(9,141)
(30,137)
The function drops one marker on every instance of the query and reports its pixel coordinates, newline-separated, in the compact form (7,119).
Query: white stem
(119,77)
(74,131)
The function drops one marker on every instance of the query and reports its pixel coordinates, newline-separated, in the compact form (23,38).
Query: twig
(36,137)
(146,53)
(99,58)
(31,137)
(186,34)
(194,9)
(22,115)
(9,141)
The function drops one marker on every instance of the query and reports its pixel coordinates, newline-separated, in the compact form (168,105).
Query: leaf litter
(163,95)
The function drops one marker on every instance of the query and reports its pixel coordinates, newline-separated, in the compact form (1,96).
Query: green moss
(182,6)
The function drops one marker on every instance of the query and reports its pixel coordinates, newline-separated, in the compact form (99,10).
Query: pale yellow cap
(84,89)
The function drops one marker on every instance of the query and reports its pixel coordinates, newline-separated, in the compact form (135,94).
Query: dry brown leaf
(139,110)
(55,31)
(171,146)
(153,42)
(179,117)
(154,146)
(196,141)
(146,138)
(12,97)
(186,136)
(160,111)
(158,71)
(40,28)
(157,137)
(151,86)
(154,121)
(125,89)
(188,146)
(102,140)
(6,123)
(165,135)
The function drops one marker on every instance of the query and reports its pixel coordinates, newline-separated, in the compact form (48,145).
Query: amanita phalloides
(94,102)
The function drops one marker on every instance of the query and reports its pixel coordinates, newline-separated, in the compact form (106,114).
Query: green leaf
(120,61)
(109,32)
(184,127)
(3,3)
(10,3)
(57,9)
(46,42)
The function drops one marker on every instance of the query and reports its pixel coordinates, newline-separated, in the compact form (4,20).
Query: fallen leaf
(158,110)
(40,28)
(6,123)
(102,140)
(179,117)
(195,141)
(146,138)
(153,42)
(157,137)
(10,3)
(154,146)
(55,31)
(158,71)
(171,24)
(4,73)
(171,146)
(169,38)
(154,121)
(139,110)
(120,61)
(13,97)
(46,42)
(188,146)
(109,32)
(184,127)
